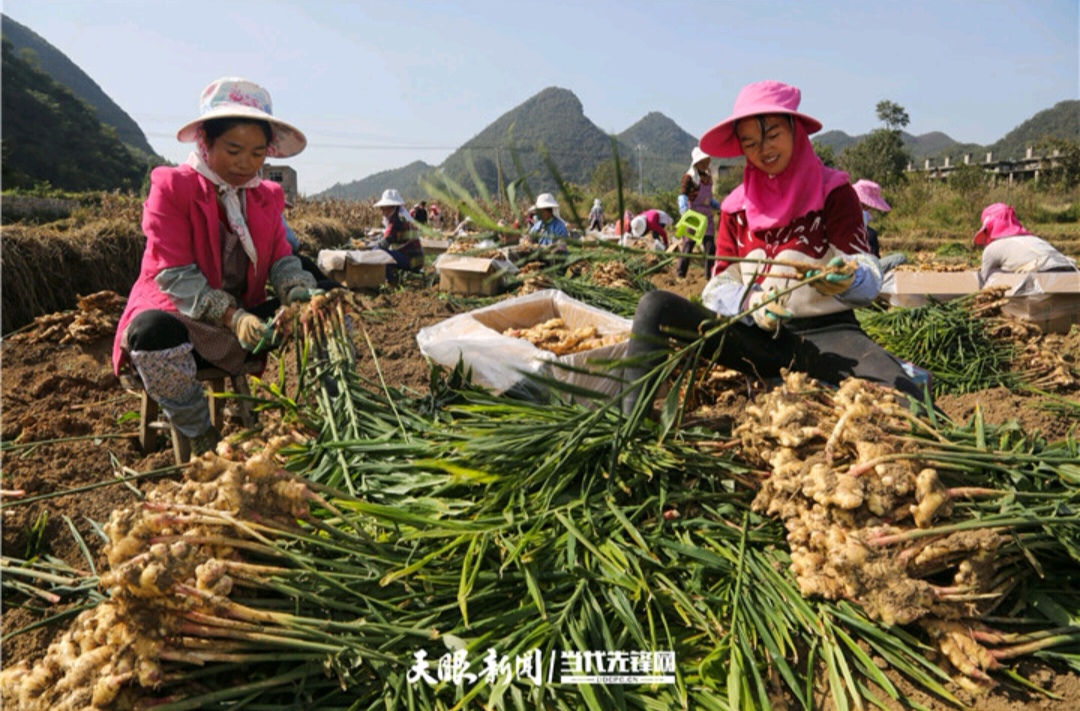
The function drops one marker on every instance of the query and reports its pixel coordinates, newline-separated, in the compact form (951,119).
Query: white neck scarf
(230,198)
(694,174)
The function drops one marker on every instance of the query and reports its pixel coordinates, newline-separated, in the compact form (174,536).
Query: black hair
(761,122)
(214,128)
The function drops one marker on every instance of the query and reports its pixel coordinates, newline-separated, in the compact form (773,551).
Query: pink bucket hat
(764,97)
(232,97)
(998,220)
(869,194)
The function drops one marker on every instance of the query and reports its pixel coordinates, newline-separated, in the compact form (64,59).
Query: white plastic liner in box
(498,362)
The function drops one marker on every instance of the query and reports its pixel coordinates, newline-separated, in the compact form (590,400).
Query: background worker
(420,213)
(548,227)
(696,193)
(1009,247)
(871,200)
(399,239)
(652,221)
(622,225)
(596,216)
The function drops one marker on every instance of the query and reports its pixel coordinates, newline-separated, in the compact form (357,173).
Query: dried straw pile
(46,269)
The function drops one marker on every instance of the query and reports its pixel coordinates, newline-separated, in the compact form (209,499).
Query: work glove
(839,275)
(301,293)
(771,315)
(250,330)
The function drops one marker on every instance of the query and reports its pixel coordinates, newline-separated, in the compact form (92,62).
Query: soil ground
(66,398)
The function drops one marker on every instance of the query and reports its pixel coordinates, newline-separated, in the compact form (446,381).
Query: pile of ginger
(847,482)
(173,561)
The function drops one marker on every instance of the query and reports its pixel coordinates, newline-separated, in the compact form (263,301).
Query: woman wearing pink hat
(869,194)
(789,207)
(214,239)
(1008,247)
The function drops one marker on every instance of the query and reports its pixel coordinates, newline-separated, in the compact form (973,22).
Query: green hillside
(31,47)
(405,180)
(554,119)
(665,151)
(51,135)
(1060,121)
(927,145)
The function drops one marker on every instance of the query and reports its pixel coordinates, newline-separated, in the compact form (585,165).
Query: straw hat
(545,200)
(869,194)
(232,97)
(637,226)
(697,155)
(390,198)
(764,97)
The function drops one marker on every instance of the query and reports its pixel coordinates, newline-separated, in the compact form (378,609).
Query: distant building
(1020,169)
(284,175)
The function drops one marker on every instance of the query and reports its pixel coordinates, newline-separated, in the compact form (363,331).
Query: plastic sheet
(501,362)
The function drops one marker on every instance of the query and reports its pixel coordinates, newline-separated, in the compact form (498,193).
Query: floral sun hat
(233,97)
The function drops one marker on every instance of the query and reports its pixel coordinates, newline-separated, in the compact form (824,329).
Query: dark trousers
(156,330)
(828,348)
(708,248)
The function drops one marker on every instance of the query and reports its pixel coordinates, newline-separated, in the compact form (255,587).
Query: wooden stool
(151,421)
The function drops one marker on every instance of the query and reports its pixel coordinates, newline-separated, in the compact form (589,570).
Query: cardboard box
(912,288)
(472,275)
(501,362)
(355,268)
(1050,300)
(435,246)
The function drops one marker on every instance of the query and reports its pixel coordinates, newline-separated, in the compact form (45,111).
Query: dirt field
(68,392)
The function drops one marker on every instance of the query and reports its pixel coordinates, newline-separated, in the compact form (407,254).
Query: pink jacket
(182,226)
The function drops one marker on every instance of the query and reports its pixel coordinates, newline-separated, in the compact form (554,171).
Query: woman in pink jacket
(214,240)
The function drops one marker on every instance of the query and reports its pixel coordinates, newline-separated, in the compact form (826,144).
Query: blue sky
(377,84)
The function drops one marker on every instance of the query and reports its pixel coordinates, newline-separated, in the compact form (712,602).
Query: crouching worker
(400,238)
(549,228)
(1008,247)
(214,240)
(789,207)
(654,222)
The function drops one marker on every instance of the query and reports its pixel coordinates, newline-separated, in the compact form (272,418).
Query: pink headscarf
(800,189)
(998,220)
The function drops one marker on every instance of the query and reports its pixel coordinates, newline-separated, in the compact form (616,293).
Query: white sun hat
(233,97)
(545,200)
(637,226)
(390,198)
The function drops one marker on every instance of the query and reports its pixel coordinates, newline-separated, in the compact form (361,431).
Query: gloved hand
(837,280)
(250,330)
(301,293)
(768,316)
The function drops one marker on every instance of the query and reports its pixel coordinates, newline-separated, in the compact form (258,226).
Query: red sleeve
(727,232)
(844,226)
